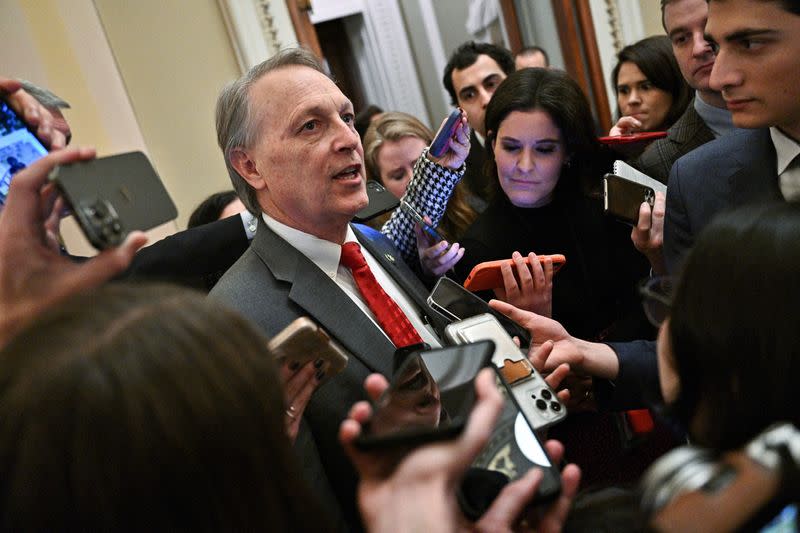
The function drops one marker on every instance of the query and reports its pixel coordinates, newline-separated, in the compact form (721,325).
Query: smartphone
(430,397)
(622,198)
(418,218)
(19,147)
(303,341)
(442,139)
(112,196)
(380,201)
(453,302)
(487,275)
(512,450)
(632,138)
(536,399)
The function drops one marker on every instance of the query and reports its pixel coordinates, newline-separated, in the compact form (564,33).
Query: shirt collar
(718,120)
(786,148)
(324,254)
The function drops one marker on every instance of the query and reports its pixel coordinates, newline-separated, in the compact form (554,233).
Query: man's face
(306,164)
(685,22)
(758,61)
(475,86)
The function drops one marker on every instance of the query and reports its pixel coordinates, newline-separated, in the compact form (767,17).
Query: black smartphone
(19,147)
(380,201)
(622,198)
(454,302)
(418,218)
(442,139)
(112,196)
(512,450)
(430,397)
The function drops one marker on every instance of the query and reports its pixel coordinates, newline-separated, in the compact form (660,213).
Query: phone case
(485,276)
(535,397)
(512,450)
(633,138)
(380,201)
(622,198)
(112,196)
(440,141)
(449,373)
(303,341)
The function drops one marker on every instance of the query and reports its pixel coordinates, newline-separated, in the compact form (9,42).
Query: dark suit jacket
(273,284)
(734,170)
(688,132)
(195,258)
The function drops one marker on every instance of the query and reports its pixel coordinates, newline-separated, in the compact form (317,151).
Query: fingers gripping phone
(442,139)
(536,399)
(112,196)
(303,341)
(430,397)
(487,275)
(19,147)
(622,198)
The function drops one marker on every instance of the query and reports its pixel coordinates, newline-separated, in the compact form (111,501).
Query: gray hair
(236,127)
(44,97)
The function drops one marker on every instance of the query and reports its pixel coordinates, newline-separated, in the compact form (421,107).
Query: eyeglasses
(657,298)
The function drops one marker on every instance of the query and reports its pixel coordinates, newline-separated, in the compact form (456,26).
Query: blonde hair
(391,126)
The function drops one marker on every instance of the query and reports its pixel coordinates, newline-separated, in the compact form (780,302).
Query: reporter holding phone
(395,155)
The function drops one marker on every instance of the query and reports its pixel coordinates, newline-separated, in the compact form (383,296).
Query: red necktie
(388,314)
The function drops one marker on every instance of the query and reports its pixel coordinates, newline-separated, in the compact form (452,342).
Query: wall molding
(251,26)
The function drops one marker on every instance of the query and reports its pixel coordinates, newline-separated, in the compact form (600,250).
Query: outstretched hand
(33,275)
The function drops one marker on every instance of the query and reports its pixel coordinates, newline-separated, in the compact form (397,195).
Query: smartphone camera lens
(555,406)
(541,404)
(546,394)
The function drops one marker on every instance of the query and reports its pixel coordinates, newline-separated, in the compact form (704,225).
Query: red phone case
(633,138)
(487,275)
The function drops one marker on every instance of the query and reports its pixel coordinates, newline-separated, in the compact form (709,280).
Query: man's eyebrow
(747,34)
(679,29)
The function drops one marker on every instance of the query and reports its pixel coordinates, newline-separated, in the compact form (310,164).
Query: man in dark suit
(289,142)
(471,76)
(755,71)
(706,116)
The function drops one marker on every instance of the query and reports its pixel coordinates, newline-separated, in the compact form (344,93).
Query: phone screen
(457,303)
(18,147)
(429,397)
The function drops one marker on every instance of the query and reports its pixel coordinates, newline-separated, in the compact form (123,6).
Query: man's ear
(247,168)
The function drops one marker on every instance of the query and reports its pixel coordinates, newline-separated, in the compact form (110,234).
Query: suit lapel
(756,180)
(324,301)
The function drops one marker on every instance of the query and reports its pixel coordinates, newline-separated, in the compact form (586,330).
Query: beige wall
(140,75)
(651,17)
(174,57)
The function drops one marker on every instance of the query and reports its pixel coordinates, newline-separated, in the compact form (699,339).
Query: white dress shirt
(787,150)
(326,255)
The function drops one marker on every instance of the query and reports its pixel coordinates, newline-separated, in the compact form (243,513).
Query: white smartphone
(536,399)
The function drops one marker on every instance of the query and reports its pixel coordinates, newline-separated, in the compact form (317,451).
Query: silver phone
(536,399)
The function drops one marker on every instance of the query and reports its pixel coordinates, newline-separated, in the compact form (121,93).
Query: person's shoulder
(242,279)
(731,147)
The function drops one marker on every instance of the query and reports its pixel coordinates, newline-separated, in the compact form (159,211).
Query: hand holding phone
(303,341)
(622,198)
(487,275)
(112,196)
(450,146)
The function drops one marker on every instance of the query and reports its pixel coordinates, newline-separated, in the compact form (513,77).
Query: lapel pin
(389,257)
